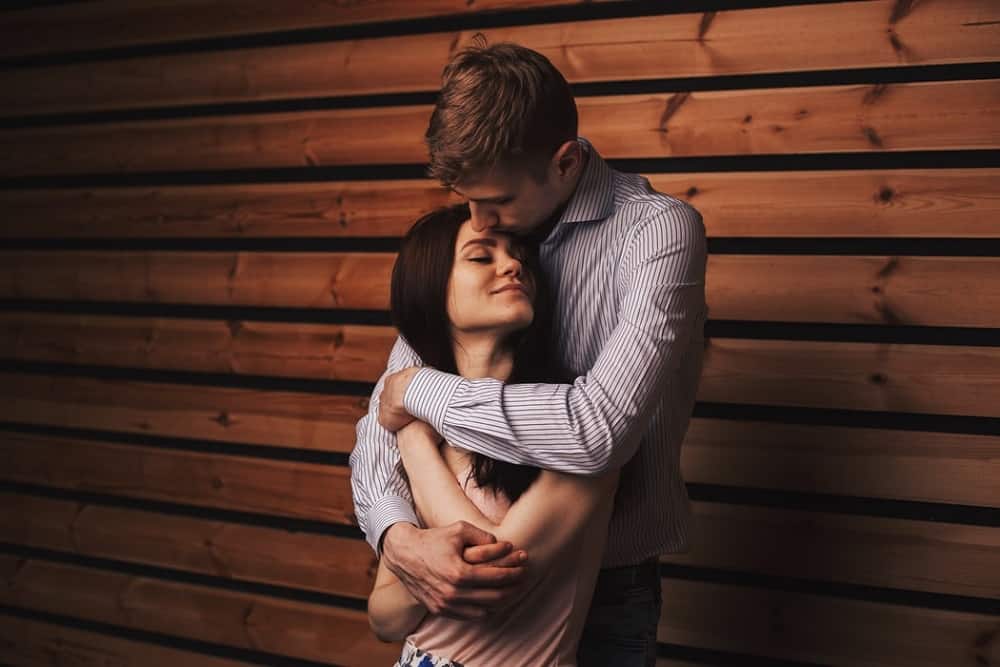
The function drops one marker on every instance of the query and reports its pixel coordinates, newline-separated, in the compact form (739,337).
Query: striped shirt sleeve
(596,423)
(381,495)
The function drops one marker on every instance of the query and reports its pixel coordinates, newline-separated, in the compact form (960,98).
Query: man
(627,267)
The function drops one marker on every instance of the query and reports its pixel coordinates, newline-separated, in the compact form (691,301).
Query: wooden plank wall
(201,200)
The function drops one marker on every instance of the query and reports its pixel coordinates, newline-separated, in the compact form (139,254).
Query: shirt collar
(594,197)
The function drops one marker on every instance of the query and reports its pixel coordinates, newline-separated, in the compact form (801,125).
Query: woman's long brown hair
(419,296)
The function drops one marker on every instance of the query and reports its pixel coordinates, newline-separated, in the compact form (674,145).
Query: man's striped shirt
(627,268)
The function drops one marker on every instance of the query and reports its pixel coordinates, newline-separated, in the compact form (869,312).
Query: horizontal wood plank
(768,623)
(308,561)
(33,643)
(242,483)
(957,380)
(107,24)
(792,288)
(817,546)
(316,351)
(936,379)
(821,546)
(321,209)
(867,462)
(924,203)
(324,633)
(305,280)
(747,41)
(941,115)
(855,290)
(819,629)
(299,420)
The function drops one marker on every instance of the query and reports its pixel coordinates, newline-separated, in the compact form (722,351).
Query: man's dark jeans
(621,625)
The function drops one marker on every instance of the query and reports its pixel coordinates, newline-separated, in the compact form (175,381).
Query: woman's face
(489,289)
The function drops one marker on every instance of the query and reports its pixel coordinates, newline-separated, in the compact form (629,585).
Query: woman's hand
(418,434)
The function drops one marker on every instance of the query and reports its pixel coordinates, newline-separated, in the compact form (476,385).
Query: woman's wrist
(418,434)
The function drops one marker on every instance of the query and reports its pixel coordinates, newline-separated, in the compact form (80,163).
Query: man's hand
(430,563)
(391,413)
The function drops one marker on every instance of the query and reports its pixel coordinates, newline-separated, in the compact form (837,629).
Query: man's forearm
(380,492)
(596,423)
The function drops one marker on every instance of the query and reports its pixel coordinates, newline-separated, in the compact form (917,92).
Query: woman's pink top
(543,628)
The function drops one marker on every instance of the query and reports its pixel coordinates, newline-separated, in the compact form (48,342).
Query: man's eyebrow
(484,200)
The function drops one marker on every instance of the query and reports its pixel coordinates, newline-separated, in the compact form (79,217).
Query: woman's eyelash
(479,259)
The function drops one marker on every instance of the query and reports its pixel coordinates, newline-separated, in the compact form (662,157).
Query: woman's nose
(511,266)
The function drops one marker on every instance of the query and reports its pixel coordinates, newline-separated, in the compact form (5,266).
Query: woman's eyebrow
(486,241)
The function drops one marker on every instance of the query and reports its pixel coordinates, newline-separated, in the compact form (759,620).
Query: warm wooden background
(200,204)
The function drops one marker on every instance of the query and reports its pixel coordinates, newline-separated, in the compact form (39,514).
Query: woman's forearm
(544,519)
(436,492)
(392,612)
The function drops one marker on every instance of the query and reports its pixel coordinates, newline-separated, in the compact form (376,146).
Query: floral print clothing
(414,657)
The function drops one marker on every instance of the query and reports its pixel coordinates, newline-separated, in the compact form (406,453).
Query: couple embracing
(518,471)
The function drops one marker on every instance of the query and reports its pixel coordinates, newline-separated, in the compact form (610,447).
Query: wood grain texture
(847,289)
(763,622)
(312,631)
(817,546)
(242,483)
(778,39)
(301,279)
(914,291)
(317,351)
(33,643)
(935,379)
(940,115)
(228,550)
(867,462)
(106,24)
(924,203)
(287,419)
(818,629)
(822,546)
(257,210)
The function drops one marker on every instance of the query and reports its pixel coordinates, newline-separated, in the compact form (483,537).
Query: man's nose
(482,218)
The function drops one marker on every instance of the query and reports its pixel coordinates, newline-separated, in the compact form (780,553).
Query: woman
(471,303)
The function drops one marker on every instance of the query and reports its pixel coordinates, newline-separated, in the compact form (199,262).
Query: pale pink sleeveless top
(544,628)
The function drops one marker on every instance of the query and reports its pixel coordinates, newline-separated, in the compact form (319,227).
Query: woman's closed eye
(484,259)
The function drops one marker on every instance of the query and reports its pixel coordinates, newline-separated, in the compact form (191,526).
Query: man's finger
(482,556)
(470,534)
(513,559)
(484,553)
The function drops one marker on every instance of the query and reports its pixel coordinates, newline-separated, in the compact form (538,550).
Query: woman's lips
(512,286)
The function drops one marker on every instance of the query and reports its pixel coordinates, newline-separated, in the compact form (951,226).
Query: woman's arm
(392,612)
(544,519)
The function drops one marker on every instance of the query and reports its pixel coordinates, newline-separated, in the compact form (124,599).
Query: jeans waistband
(630,574)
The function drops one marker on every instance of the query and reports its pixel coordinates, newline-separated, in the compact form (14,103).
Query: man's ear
(568,159)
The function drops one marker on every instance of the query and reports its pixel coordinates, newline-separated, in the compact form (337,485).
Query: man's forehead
(496,180)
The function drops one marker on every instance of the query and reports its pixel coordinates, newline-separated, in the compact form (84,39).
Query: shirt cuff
(384,513)
(428,395)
